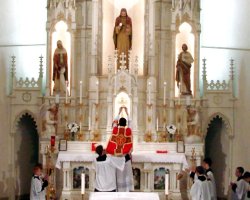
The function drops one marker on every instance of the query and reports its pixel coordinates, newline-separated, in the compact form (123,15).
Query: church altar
(149,167)
(123,196)
(137,157)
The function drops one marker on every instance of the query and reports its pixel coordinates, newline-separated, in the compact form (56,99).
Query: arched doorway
(217,148)
(26,154)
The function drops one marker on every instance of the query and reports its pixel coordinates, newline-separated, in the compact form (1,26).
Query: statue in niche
(60,68)
(183,67)
(122,36)
(49,120)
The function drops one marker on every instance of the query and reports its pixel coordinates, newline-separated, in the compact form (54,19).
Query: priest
(121,143)
(200,188)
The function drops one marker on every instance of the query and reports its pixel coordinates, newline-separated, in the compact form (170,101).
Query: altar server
(105,166)
(233,185)
(200,188)
(207,162)
(37,189)
(242,188)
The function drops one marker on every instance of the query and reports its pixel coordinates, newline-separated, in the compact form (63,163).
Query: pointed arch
(19,117)
(225,120)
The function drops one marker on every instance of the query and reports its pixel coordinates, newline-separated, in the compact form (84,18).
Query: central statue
(122,36)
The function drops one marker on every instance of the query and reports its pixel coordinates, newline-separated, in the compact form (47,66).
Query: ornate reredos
(123,81)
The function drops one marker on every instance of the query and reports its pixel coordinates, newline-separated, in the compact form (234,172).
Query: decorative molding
(26,97)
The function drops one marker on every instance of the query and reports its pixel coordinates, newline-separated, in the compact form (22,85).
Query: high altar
(144,83)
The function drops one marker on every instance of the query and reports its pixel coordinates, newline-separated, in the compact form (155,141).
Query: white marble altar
(123,196)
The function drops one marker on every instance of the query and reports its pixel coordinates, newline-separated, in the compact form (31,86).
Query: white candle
(157,124)
(83,183)
(89,123)
(80,92)
(149,93)
(97,92)
(66,93)
(164,93)
(166,184)
(57,98)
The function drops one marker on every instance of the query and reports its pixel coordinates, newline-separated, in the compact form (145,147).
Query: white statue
(193,126)
(49,120)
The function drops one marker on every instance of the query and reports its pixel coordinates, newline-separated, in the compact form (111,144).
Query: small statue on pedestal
(49,120)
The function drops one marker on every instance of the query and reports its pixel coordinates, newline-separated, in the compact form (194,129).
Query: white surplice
(200,190)
(106,172)
(37,191)
(212,185)
(241,190)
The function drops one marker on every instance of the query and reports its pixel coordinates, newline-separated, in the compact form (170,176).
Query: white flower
(171,128)
(73,127)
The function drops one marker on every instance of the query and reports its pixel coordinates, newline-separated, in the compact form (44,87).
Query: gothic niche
(60,59)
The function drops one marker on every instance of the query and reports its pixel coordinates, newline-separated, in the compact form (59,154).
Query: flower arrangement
(73,128)
(171,129)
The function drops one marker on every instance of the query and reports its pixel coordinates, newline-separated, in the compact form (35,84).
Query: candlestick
(166,183)
(80,92)
(83,183)
(149,92)
(164,93)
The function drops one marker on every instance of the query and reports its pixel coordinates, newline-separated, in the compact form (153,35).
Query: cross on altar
(120,139)
(123,60)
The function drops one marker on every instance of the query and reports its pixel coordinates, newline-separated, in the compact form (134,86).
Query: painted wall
(225,35)
(22,34)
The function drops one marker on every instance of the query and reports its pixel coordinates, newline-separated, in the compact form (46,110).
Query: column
(172,80)
(94,43)
(66,176)
(151,27)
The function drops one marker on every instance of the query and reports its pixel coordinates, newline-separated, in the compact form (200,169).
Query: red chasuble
(120,142)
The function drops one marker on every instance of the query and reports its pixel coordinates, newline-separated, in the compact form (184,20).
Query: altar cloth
(123,196)
(137,157)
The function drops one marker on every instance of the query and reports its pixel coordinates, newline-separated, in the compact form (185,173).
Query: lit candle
(80,92)
(166,183)
(164,93)
(149,92)
(83,183)
(52,141)
(66,93)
